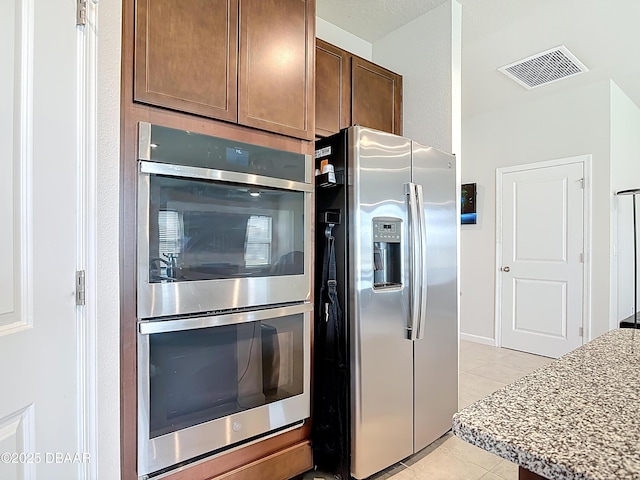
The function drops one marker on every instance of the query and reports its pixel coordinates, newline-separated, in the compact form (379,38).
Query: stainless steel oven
(221,224)
(207,383)
(224,283)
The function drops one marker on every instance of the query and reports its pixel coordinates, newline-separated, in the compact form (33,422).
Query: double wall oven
(224,282)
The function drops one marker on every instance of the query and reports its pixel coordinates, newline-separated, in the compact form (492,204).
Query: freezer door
(436,350)
(381,354)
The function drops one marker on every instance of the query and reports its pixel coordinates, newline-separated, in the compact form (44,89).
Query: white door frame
(86,256)
(585,160)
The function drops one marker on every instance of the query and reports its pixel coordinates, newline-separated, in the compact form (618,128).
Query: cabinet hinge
(581,182)
(580,331)
(80,287)
(81,12)
(582,258)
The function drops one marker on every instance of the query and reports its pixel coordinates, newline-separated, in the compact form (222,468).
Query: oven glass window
(205,230)
(199,375)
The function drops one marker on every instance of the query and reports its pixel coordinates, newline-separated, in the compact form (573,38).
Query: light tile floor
(483,369)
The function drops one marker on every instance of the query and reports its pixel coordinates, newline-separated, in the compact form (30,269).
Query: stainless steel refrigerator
(392,215)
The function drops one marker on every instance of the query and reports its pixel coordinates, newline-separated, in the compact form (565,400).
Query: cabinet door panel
(333,89)
(376,97)
(276,69)
(186,56)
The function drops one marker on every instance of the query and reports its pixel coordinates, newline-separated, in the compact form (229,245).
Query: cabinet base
(524,474)
(281,465)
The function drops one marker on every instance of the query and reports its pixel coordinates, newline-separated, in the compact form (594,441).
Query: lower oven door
(207,383)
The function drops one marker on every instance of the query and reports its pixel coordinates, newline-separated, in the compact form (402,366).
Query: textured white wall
(625,174)
(566,124)
(107,242)
(426,52)
(343,39)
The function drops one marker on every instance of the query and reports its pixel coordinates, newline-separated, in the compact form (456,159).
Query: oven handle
(222,176)
(164,326)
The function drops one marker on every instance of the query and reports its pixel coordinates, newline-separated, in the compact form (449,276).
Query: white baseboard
(477,339)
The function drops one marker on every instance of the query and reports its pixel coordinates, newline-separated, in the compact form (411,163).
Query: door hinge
(581,331)
(582,258)
(80,287)
(581,182)
(81,12)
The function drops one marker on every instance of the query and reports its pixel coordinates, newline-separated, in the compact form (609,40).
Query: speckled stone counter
(575,418)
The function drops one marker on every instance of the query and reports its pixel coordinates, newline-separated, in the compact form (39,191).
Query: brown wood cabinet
(276,81)
(351,90)
(376,97)
(244,61)
(207,66)
(333,89)
(185,58)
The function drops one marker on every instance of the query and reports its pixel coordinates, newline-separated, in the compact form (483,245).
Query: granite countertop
(575,418)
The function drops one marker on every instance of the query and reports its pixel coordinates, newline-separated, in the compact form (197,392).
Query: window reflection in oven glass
(200,375)
(201,230)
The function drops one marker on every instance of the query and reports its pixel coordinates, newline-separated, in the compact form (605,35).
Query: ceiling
(602,34)
(372,19)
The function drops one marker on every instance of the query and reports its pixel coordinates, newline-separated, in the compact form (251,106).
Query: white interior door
(541,271)
(38,225)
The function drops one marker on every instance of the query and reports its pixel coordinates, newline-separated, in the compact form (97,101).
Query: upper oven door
(211,239)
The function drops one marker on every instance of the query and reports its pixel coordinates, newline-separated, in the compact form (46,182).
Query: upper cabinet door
(276,67)
(333,89)
(376,97)
(186,56)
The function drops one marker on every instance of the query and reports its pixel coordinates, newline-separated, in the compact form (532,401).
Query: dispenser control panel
(386,231)
(387,253)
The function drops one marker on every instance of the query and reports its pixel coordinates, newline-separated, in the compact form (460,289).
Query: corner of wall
(456,77)
(624,174)
(421,51)
(106,244)
(456,124)
(343,39)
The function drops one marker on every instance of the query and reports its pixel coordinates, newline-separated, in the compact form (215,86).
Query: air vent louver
(545,67)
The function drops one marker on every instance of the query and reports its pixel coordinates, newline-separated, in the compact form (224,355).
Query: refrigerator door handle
(421,287)
(415,254)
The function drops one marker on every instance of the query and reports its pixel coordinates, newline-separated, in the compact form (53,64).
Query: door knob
(505,269)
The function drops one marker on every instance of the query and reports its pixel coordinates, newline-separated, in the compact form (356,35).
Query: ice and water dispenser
(387,261)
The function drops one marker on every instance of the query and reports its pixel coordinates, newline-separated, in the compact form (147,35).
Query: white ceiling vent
(545,67)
